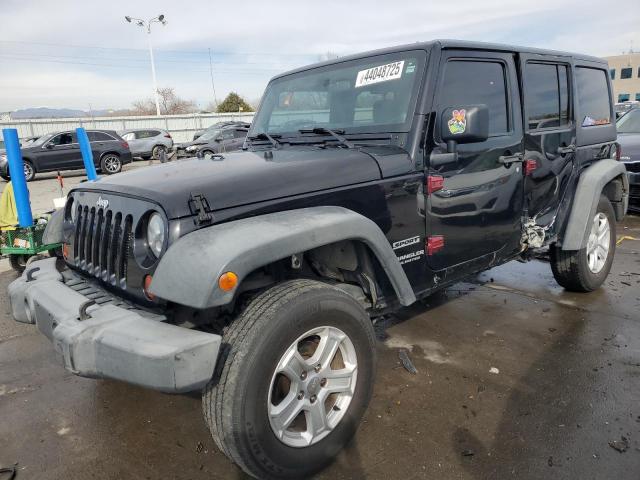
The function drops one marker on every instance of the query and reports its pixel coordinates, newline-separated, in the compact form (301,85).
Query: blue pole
(87,155)
(16,171)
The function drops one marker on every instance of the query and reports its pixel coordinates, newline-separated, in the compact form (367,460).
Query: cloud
(84,51)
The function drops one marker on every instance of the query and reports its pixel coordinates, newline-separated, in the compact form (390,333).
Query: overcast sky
(76,53)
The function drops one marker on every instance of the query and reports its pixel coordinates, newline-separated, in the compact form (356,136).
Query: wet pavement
(566,385)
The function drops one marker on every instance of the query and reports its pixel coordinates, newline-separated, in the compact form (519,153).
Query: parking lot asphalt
(516,378)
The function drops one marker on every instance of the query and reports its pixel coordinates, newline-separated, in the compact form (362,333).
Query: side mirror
(465,124)
(49,146)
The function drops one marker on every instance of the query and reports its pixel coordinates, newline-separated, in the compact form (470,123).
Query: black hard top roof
(452,44)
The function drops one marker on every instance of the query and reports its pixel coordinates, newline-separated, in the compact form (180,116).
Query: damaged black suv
(365,183)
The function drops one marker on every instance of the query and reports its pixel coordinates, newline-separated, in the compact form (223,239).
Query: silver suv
(148,143)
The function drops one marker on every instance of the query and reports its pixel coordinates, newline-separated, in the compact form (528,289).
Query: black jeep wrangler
(365,183)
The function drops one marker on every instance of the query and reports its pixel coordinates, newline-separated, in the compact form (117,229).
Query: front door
(60,152)
(477,212)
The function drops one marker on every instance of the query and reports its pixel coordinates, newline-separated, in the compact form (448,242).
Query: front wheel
(297,372)
(586,269)
(18,262)
(111,164)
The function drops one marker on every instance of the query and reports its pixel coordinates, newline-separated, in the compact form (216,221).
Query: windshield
(372,94)
(630,122)
(209,135)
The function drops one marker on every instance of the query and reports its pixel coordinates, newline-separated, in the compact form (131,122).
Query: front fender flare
(585,201)
(188,272)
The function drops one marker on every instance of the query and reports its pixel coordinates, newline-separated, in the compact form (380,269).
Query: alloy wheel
(111,164)
(599,243)
(312,386)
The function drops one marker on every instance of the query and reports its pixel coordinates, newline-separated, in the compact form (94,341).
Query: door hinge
(530,166)
(435,243)
(199,206)
(434,183)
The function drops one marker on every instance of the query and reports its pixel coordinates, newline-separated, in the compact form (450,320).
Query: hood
(242,177)
(630,145)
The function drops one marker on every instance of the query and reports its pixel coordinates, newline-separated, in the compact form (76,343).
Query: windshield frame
(421,55)
(625,118)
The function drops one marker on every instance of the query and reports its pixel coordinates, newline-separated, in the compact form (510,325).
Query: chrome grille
(102,243)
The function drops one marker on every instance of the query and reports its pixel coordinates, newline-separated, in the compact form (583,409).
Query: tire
(155,153)
(586,269)
(236,402)
(29,171)
(111,164)
(207,152)
(18,262)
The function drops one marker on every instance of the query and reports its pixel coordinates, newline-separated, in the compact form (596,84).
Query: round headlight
(155,234)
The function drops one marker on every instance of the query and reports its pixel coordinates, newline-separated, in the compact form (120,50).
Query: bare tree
(170,104)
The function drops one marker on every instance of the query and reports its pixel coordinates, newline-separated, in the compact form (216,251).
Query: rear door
(477,212)
(550,133)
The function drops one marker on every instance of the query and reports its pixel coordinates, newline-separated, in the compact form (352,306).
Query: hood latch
(199,206)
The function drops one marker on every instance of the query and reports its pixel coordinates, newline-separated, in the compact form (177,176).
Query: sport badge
(458,122)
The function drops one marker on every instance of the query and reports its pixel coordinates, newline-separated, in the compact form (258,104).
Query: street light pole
(147,25)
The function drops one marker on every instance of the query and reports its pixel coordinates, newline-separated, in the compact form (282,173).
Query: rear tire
(155,153)
(586,269)
(111,164)
(238,404)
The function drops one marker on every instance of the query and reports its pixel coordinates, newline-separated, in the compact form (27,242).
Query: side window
(64,139)
(593,96)
(467,82)
(240,133)
(140,134)
(98,137)
(626,72)
(612,72)
(546,95)
(129,136)
(227,135)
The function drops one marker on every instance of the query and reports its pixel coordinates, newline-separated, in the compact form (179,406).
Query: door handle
(509,159)
(567,149)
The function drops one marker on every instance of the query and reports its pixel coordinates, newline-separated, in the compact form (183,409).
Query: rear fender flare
(188,272)
(585,201)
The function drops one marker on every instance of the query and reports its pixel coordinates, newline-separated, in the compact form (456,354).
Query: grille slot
(633,167)
(102,243)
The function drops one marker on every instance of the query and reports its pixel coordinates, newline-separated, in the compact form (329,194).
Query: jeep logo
(102,203)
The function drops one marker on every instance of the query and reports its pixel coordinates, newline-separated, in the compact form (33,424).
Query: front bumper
(111,338)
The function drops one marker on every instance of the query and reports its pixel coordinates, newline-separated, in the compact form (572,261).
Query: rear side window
(99,137)
(240,133)
(593,96)
(476,83)
(546,95)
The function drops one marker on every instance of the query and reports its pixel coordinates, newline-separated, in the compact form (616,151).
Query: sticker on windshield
(458,122)
(382,73)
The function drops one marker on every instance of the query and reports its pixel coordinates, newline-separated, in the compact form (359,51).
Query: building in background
(625,76)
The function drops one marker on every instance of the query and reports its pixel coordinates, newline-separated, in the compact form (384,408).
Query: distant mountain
(45,112)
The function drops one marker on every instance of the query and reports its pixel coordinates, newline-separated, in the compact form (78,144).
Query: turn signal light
(146,286)
(228,281)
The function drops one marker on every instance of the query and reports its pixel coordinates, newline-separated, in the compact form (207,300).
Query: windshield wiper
(334,133)
(266,136)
